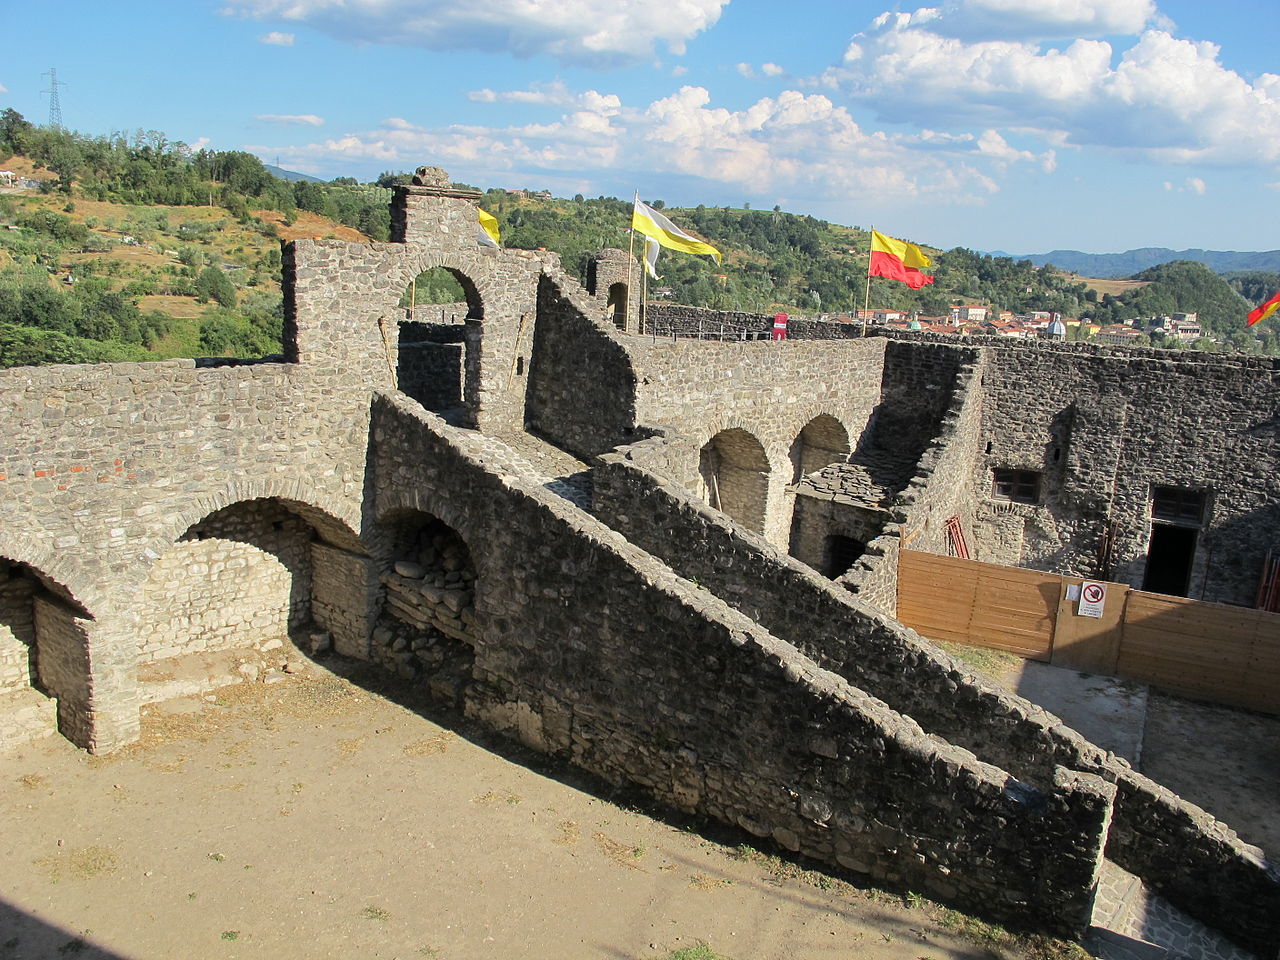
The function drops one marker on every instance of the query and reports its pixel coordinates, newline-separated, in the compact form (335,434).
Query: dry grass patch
(621,853)
(82,863)
(429,746)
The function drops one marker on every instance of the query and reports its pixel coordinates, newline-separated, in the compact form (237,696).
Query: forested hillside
(132,246)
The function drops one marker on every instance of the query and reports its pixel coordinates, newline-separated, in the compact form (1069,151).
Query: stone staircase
(1132,923)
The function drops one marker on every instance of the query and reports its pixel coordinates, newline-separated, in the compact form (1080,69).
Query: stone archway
(733,472)
(822,442)
(438,341)
(44,659)
(617,304)
(239,584)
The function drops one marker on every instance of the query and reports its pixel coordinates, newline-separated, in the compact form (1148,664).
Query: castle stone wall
(1155,834)
(707,719)
(581,384)
(769,390)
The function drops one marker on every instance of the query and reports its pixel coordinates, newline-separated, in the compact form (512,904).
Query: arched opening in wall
(617,305)
(225,602)
(733,473)
(840,553)
(432,359)
(427,629)
(822,442)
(43,652)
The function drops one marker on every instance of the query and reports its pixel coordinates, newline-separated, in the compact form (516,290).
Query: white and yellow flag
(653,224)
(488,233)
(651,249)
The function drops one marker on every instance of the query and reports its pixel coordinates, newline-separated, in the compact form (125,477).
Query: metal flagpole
(631,260)
(644,283)
(866,301)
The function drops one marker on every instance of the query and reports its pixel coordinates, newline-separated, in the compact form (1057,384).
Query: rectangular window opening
(1176,505)
(1019,486)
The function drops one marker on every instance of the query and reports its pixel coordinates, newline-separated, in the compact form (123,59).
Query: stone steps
(1132,923)
(26,715)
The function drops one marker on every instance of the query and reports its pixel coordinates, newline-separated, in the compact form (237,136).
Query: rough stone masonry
(155,513)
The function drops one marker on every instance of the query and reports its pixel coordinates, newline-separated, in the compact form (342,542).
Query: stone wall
(344,593)
(581,390)
(671,319)
(1103,426)
(430,364)
(768,390)
(1165,840)
(716,715)
(212,594)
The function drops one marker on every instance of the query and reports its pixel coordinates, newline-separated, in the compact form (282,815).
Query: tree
(212,284)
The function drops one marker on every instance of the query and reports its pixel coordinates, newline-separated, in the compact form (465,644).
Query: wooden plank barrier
(1210,651)
(981,604)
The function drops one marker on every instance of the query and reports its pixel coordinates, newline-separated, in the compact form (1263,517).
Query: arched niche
(617,304)
(427,629)
(822,442)
(733,472)
(243,582)
(44,661)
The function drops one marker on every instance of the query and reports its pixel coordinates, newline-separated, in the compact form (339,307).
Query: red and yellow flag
(1265,310)
(898,260)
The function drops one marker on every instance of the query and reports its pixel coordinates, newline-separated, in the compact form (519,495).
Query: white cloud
(1191,185)
(679,70)
(1167,97)
(746,70)
(302,120)
(277,39)
(3,88)
(1027,19)
(771,70)
(601,33)
(795,144)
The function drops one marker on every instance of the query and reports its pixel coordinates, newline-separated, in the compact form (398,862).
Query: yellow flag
(488,234)
(646,220)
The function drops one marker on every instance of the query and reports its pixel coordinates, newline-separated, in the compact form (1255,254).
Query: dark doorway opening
(1169,559)
(841,554)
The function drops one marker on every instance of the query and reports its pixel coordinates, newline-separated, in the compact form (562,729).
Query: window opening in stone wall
(427,630)
(1175,505)
(1018,486)
(841,553)
(435,296)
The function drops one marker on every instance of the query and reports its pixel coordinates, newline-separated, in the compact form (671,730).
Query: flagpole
(644,283)
(866,301)
(631,259)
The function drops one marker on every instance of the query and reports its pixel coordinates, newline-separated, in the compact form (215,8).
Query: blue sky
(1021,125)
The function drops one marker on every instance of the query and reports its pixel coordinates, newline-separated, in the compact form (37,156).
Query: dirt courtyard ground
(314,818)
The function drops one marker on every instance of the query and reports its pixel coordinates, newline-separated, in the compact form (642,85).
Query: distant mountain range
(1111,265)
(283,174)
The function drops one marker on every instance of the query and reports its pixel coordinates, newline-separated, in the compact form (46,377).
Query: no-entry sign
(1093,597)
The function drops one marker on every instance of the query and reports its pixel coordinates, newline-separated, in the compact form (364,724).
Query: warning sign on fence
(1093,597)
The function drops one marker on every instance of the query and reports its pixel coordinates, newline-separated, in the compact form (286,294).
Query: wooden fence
(1210,651)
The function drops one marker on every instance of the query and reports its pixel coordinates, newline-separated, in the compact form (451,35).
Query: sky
(1015,125)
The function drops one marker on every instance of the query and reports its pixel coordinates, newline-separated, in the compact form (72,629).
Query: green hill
(136,247)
